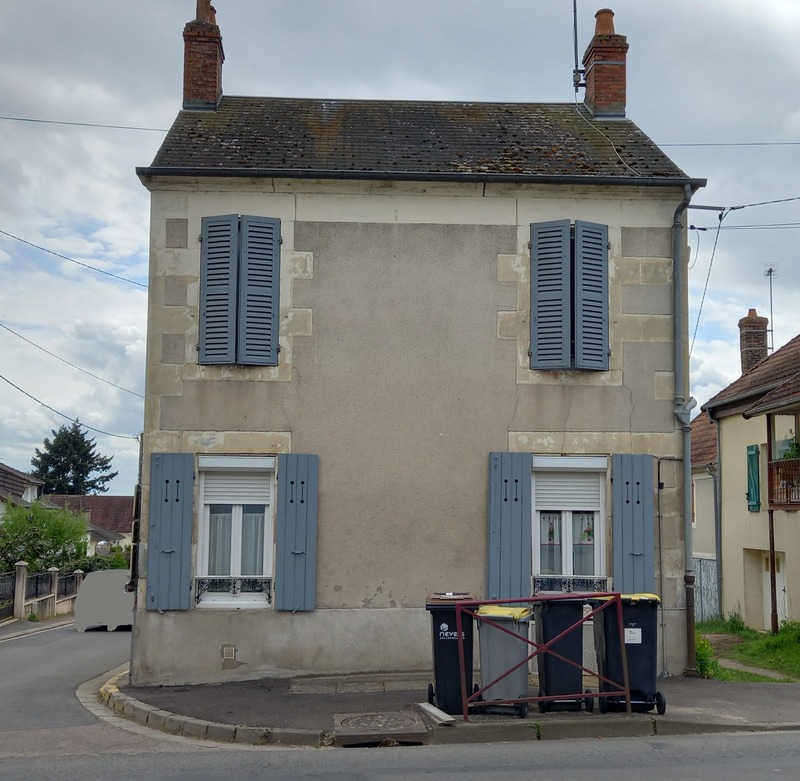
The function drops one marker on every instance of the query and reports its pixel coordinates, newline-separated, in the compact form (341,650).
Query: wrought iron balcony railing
(232,586)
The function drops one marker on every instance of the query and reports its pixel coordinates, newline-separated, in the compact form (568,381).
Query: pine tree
(67,462)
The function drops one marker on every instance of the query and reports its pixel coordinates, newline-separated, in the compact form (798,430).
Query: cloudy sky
(88,87)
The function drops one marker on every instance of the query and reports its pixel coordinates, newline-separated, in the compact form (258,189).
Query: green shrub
(707,664)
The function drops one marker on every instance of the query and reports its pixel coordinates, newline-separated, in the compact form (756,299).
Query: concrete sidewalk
(385,710)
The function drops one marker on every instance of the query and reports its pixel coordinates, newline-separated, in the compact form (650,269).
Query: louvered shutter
(633,499)
(510,551)
(296,549)
(169,538)
(218,289)
(591,296)
(753,480)
(259,285)
(551,313)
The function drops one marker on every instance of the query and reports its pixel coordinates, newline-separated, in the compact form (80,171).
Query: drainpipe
(682,412)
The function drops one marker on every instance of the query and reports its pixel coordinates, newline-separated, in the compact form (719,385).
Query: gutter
(682,412)
(153,172)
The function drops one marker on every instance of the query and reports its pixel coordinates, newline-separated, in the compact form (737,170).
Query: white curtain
(253,517)
(219,539)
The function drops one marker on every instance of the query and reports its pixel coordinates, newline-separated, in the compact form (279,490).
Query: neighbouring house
(404,347)
(17,488)
(705,518)
(756,418)
(109,518)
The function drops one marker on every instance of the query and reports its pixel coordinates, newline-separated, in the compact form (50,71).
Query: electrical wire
(597,129)
(72,420)
(72,260)
(84,124)
(63,360)
(722,216)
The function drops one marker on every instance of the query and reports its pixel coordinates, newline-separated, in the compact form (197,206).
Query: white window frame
(577,465)
(233,466)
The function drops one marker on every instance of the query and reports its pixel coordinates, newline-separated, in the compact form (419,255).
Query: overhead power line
(84,124)
(72,420)
(63,360)
(72,260)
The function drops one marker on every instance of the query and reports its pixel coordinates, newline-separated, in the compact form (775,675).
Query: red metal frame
(608,599)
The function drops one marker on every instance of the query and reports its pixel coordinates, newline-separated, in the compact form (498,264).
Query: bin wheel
(589,701)
(603,704)
(430,694)
(661,704)
(521,709)
(542,703)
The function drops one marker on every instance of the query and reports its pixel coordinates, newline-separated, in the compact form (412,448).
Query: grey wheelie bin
(556,676)
(445,691)
(500,652)
(640,636)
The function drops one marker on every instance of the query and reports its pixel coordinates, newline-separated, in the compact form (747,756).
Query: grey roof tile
(298,136)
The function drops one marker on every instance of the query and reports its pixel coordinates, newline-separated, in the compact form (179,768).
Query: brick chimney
(605,68)
(202,60)
(752,339)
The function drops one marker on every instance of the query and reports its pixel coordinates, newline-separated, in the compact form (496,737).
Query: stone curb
(621,726)
(186,726)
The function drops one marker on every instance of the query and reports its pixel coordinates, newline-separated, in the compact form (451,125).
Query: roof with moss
(295,137)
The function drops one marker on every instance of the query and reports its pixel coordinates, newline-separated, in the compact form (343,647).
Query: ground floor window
(568,523)
(235,543)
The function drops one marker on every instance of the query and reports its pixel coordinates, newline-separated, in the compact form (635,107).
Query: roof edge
(152,172)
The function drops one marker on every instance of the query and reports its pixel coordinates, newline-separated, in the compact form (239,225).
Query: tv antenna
(771,271)
(577,73)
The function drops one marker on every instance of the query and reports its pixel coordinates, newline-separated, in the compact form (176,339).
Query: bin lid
(450,596)
(500,611)
(633,598)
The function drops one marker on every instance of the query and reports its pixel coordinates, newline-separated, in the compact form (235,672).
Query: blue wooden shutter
(510,545)
(591,296)
(218,289)
(296,566)
(259,285)
(551,312)
(753,480)
(169,537)
(633,500)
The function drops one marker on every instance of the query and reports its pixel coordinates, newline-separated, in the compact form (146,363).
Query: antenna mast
(577,73)
(770,271)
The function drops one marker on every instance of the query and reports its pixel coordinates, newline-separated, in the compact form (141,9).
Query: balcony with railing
(784,484)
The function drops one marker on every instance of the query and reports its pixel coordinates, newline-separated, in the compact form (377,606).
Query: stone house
(397,348)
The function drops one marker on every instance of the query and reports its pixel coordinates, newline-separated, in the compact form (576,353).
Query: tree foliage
(42,537)
(67,462)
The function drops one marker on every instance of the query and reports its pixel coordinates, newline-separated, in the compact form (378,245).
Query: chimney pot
(604,24)
(753,340)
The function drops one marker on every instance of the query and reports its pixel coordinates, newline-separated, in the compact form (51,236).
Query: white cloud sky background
(698,73)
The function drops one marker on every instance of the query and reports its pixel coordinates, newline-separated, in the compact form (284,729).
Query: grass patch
(726,674)
(779,652)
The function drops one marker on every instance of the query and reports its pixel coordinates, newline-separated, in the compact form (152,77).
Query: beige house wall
(745,535)
(403,363)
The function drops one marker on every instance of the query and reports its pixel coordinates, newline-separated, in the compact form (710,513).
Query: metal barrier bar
(610,598)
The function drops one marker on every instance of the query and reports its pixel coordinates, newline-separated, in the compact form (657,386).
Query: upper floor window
(239,290)
(569,295)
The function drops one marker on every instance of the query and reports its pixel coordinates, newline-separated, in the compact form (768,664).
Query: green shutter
(296,547)
(510,525)
(591,296)
(753,479)
(169,537)
(259,286)
(551,312)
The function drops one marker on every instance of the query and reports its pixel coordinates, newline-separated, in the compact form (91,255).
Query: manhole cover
(378,721)
(369,728)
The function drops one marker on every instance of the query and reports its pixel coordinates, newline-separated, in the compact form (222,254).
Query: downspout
(682,412)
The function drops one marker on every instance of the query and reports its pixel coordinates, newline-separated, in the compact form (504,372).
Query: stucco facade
(404,362)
